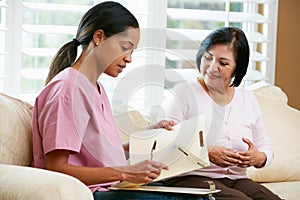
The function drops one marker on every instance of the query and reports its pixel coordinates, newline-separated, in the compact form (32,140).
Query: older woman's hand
(252,157)
(223,156)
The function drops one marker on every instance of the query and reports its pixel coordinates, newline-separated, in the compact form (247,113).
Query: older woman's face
(218,65)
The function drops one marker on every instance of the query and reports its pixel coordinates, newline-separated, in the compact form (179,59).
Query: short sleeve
(58,128)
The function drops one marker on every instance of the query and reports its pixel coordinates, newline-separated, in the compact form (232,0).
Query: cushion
(282,126)
(289,190)
(27,183)
(268,91)
(129,121)
(15,131)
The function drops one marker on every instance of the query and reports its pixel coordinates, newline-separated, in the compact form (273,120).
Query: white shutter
(10,46)
(45,28)
(196,19)
(171,32)
(41,28)
(3,34)
(31,33)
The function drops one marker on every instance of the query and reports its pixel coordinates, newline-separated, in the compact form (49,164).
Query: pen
(153,148)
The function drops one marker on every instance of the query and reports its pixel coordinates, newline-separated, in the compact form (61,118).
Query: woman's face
(117,50)
(218,65)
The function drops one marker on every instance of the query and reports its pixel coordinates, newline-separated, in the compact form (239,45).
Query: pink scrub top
(71,114)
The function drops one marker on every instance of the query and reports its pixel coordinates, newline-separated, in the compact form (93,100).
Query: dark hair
(231,36)
(111,17)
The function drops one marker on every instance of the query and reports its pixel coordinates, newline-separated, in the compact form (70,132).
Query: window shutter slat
(179,34)
(181,54)
(190,55)
(257,57)
(198,35)
(253,1)
(49,52)
(256,37)
(55,7)
(34,74)
(241,1)
(49,29)
(209,15)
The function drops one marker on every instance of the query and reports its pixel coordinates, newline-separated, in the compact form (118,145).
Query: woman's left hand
(252,157)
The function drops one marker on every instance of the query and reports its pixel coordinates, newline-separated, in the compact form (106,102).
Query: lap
(199,182)
(255,190)
(230,189)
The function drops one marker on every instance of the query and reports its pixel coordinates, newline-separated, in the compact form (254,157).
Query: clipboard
(183,148)
(197,191)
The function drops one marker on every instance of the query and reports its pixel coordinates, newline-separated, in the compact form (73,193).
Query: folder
(197,191)
(183,149)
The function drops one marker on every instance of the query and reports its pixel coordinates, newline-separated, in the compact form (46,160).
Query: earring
(97,44)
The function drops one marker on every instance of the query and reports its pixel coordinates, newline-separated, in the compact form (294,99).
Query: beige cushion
(27,183)
(129,121)
(268,91)
(282,125)
(15,131)
(289,190)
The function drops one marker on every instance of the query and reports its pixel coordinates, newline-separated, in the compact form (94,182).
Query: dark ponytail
(111,17)
(64,58)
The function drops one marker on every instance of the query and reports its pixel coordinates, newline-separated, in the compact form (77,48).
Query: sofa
(20,181)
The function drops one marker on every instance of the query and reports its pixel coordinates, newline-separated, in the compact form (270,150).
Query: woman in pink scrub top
(74,131)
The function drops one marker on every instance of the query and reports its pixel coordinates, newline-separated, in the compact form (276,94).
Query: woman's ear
(98,37)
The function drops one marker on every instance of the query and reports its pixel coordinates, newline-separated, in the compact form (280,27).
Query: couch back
(283,127)
(15,131)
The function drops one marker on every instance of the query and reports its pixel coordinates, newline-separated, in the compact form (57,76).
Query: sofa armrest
(18,182)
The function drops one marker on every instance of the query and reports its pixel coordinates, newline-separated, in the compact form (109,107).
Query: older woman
(236,135)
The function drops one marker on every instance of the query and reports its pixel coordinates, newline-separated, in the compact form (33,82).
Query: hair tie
(76,42)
